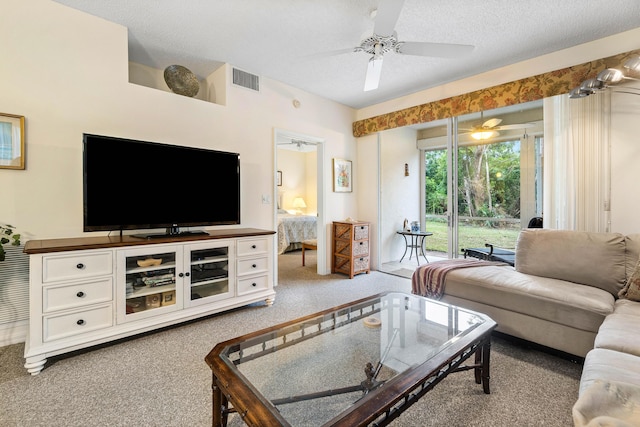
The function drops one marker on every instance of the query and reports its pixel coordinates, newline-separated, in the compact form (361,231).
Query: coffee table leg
(482,363)
(219,404)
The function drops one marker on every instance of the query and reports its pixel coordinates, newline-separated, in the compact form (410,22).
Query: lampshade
(633,64)
(578,92)
(298,203)
(484,134)
(592,84)
(610,75)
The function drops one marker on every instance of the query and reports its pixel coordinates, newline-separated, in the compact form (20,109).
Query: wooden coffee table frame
(232,392)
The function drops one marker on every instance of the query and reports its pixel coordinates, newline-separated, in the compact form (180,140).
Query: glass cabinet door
(149,282)
(208,267)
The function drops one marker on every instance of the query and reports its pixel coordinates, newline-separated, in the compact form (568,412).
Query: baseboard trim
(13,333)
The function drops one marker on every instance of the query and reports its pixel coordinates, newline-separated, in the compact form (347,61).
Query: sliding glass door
(482,179)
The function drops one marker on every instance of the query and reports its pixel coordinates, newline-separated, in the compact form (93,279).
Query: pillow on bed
(282,211)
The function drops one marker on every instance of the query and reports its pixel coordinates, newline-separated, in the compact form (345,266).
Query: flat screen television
(132,185)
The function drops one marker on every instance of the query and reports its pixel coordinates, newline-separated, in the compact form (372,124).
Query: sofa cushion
(594,259)
(566,303)
(631,289)
(608,403)
(625,306)
(609,365)
(615,333)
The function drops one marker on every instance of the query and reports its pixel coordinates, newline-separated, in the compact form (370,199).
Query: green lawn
(470,236)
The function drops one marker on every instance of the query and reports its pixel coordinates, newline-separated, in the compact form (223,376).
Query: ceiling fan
(300,144)
(489,129)
(385,40)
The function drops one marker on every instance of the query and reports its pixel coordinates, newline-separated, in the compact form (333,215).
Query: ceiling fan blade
(441,50)
(387,16)
(516,126)
(491,123)
(373,73)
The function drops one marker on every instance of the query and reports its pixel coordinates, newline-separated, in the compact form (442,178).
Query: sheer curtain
(577,175)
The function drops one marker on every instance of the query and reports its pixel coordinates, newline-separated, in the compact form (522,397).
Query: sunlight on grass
(470,236)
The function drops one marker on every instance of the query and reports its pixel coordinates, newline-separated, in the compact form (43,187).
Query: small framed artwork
(279,178)
(342,177)
(11,141)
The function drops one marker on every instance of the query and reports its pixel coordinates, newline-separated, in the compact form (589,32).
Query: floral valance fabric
(524,90)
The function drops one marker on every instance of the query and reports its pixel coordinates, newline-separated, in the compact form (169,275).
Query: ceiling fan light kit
(608,77)
(484,134)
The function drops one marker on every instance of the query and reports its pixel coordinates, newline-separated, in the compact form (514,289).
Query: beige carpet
(161,379)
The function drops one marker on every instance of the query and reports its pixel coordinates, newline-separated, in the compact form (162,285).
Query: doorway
(299,205)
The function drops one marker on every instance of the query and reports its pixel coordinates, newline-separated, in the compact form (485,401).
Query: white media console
(89,291)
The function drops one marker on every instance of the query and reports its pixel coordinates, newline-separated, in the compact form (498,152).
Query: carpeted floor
(161,379)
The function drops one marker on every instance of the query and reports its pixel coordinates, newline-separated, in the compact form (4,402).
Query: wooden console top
(84,243)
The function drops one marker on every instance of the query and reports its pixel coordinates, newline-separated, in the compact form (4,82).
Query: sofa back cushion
(594,259)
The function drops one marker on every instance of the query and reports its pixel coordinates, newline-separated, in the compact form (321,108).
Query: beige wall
(67,73)
(400,194)
(299,179)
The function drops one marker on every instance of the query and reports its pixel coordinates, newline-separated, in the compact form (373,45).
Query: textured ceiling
(285,40)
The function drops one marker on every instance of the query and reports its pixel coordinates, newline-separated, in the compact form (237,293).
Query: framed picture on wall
(279,178)
(11,141)
(342,176)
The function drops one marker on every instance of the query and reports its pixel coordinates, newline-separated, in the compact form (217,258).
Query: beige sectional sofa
(564,293)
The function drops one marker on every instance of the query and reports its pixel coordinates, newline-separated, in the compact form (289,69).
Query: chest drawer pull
(80,322)
(80,294)
(253,246)
(254,265)
(80,266)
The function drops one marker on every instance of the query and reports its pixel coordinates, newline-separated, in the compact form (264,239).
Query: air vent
(246,80)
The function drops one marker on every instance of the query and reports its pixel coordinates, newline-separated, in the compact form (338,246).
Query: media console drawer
(77,322)
(76,266)
(252,284)
(61,297)
(253,265)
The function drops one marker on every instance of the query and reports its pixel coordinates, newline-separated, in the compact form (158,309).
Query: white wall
(299,179)
(67,73)
(400,194)
(625,157)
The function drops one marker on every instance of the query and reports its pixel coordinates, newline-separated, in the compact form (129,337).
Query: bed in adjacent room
(294,229)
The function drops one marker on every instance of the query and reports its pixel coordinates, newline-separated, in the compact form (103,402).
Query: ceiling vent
(246,80)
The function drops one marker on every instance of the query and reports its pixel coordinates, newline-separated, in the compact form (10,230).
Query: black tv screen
(132,184)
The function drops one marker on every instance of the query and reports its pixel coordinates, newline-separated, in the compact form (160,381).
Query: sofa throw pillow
(631,289)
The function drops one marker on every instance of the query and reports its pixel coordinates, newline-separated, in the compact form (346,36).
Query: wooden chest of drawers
(350,248)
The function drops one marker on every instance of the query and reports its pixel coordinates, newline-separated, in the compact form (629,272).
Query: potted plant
(7,235)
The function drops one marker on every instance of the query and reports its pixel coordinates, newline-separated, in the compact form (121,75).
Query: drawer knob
(80,294)
(361,243)
(80,322)
(180,275)
(187,274)
(80,266)
(253,265)
(254,284)
(253,246)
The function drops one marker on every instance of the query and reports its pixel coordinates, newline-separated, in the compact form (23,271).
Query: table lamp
(298,204)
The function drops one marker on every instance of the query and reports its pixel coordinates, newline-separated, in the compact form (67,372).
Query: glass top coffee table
(362,363)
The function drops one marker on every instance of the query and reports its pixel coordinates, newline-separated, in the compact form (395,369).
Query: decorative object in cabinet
(350,248)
